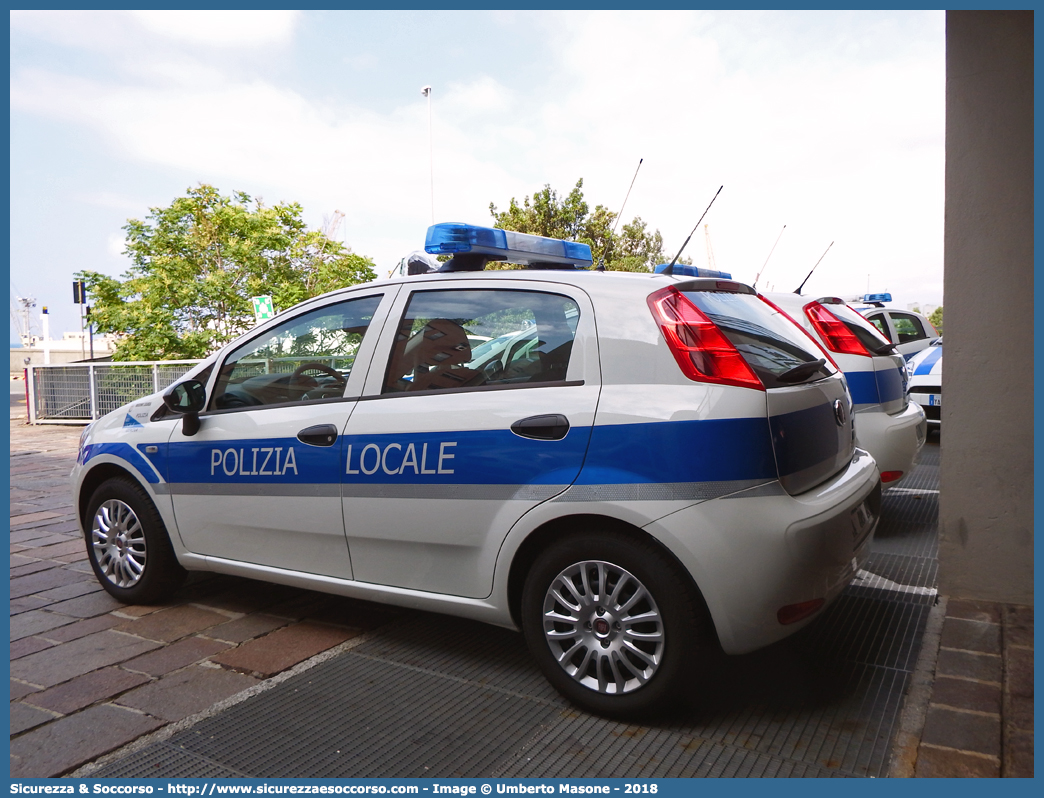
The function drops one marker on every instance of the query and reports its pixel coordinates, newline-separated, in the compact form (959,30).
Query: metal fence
(78,393)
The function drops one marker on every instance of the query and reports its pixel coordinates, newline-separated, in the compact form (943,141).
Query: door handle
(551,427)
(319,435)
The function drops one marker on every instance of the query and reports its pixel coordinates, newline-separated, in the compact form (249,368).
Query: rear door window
(908,327)
(527,338)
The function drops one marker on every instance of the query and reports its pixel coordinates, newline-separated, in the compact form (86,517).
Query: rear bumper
(755,552)
(893,441)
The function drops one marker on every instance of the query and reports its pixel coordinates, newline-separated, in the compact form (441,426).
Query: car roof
(864,308)
(587,279)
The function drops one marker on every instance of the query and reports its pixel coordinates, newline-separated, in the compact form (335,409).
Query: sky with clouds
(831,123)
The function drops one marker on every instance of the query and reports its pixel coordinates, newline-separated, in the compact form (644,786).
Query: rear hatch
(892,383)
(807,403)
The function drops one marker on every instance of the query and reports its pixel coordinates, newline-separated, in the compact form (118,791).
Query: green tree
(937,319)
(197,263)
(633,248)
(638,250)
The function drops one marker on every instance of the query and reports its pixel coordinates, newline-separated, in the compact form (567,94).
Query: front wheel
(614,625)
(128,546)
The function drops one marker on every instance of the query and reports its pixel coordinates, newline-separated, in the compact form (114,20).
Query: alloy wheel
(603,627)
(118,541)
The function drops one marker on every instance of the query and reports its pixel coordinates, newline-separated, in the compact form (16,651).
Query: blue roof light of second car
(505,245)
(687,270)
(877,297)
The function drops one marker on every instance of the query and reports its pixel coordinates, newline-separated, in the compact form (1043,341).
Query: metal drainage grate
(442,697)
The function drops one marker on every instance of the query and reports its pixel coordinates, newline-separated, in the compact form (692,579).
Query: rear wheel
(128,545)
(613,624)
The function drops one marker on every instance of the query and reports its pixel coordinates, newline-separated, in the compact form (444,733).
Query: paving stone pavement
(89,674)
(979,719)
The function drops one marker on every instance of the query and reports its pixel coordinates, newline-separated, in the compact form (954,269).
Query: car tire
(587,640)
(128,545)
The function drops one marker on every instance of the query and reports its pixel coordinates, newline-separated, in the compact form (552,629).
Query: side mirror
(187,399)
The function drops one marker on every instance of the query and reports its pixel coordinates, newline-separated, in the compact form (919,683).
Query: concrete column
(986,504)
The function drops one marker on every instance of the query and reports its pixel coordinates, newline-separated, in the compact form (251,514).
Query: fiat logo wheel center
(602,625)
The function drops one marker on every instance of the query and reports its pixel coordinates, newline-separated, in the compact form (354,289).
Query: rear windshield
(773,346)
(862,328)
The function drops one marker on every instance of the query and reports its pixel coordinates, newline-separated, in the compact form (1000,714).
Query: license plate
(934,401)
(861,519)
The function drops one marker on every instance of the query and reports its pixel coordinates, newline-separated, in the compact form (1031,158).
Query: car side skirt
(476,609)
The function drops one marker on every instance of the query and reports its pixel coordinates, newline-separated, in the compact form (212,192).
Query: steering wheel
(299,380)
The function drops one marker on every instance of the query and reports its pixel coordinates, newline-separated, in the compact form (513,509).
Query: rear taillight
(891,476)
(703,353)
(834,332)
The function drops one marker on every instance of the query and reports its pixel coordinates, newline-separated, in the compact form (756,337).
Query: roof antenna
(601,261)
(670,266)
(758,277)
(798,291)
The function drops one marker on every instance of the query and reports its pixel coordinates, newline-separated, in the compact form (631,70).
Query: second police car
(908,330)
(924,371)
(887,424)
(651,469)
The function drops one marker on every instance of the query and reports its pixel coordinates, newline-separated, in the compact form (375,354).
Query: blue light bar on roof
(877,297)
(451,238)
(685,270)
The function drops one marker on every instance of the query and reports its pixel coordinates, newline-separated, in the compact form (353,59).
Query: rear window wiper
(802,371)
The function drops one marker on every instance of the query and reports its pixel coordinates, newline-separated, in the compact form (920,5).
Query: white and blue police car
(653,468)
(887,424)
(924,372)
(909,330)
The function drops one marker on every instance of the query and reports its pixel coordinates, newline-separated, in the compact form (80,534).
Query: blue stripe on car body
(799,439)
(926,365)
(875,387)
(679,451)
(889,384)
(125,452)
(658,452)
(864,387)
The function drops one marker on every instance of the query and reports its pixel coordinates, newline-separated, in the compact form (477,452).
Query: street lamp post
(426,92)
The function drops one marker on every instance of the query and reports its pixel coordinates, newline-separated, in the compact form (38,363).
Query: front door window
(308,357)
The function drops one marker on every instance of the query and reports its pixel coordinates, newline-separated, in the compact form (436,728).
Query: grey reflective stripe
(253,489)
(768,489)
(662,491)
(536,493)
(657,491)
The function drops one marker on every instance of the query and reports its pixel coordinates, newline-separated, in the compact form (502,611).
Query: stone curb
(915,709)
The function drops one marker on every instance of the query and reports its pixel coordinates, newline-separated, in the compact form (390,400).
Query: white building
(72,346)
